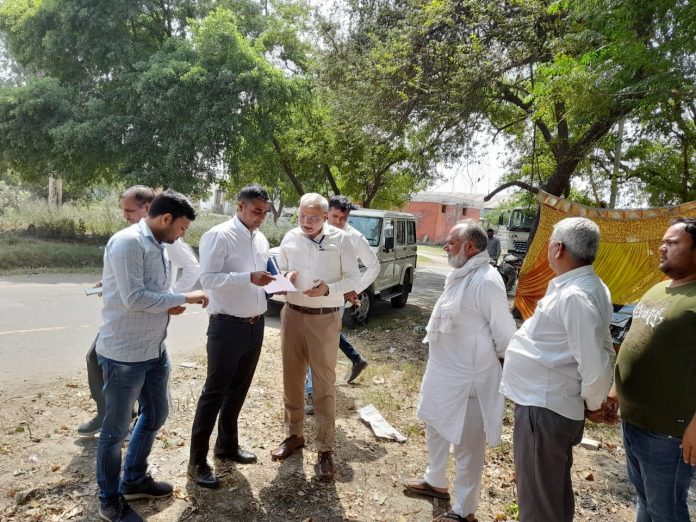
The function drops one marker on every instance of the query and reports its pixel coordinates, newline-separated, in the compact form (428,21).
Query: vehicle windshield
(521,220)
(369,226)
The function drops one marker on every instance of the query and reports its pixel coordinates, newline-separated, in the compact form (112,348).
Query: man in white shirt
(339,211)
(234,255)
(320,260)
(460,402)
(558,371)
(135,203)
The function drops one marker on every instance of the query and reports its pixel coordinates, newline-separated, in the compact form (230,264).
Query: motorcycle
(509,270)
(621,321)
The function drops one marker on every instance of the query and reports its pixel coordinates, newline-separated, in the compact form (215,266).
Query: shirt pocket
(328,267)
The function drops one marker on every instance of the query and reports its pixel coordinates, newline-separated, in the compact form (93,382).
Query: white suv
(392,236)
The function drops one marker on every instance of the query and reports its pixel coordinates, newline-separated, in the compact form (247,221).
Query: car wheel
(400,300)
(357,315)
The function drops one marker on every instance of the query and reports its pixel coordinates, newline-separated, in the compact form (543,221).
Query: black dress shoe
(203,475)
(242,456)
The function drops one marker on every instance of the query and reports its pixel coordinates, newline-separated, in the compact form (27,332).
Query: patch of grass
(431,250)
(19,253)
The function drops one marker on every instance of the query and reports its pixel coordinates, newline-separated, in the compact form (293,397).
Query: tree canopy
(368,103)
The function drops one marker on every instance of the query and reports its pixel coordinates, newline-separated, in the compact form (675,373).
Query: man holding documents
(320,260)
(234,257)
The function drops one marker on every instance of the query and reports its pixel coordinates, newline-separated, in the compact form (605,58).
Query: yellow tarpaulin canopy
(627,260)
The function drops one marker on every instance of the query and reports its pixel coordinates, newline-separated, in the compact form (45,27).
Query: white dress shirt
(468,331)
(366,255)
(561,356)
(135,283)
(229,253)
(329,257)
(181,255)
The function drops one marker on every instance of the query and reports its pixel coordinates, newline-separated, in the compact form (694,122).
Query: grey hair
(469,231)
(580,236)
(312,199)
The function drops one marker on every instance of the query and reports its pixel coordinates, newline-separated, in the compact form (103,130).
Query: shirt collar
(237,223)
(146,231)
(324,231)
(569,276)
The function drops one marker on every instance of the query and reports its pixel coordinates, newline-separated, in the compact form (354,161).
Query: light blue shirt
(135,281)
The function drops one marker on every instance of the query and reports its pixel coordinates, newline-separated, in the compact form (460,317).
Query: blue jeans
(347,348)
(658,472)
(124,383)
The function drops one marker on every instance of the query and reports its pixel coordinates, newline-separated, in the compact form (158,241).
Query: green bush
(11,197)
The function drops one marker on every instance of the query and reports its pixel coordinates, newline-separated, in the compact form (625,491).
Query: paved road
(47,324)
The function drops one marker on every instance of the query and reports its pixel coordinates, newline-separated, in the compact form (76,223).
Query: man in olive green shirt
(655,384)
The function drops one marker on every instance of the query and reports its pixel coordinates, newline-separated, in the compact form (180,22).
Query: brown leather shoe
(287,447)
(325,467)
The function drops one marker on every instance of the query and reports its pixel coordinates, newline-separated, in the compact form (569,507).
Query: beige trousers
(310,340)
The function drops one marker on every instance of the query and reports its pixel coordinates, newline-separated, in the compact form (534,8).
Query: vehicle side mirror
(388,243)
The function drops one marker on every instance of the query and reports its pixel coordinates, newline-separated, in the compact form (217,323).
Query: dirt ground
(47,473)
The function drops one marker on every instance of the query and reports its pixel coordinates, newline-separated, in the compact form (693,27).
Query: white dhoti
(469,458)
(460,401)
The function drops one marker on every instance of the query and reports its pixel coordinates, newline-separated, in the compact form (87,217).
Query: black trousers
(233,352)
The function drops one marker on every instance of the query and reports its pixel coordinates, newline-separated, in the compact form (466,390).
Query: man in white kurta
(460,403)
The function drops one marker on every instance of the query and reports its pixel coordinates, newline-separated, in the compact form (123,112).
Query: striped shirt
(135,281)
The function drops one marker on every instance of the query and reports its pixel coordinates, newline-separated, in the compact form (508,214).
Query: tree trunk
(287,168)
(685,169)
(614,184)
(331,180)
(55,192)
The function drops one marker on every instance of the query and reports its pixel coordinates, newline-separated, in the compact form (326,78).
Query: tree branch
(515,183)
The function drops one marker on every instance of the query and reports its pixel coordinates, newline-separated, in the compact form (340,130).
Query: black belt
(313,311)
(225,317)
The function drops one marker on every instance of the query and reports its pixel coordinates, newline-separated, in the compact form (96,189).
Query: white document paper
(279,284)
(379,425)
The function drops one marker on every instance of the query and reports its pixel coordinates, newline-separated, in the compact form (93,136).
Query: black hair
(690,227)
(341,203)
(172,202)
(140,193)
(252,192)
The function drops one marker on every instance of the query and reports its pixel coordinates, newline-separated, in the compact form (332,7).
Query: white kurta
(468,331)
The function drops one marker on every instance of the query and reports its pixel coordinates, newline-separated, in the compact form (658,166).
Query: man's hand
(595,415)
(98,284)
(177,310)
(319,289)
(292,276)
(688,444)
(352,297)
(611,406)
(197,297)
(261,278)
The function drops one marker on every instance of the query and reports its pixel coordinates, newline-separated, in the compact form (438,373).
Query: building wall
(434,220)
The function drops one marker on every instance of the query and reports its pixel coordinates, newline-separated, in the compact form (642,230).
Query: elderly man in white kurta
(460,403)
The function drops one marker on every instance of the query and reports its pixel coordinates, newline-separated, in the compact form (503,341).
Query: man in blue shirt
(132,353)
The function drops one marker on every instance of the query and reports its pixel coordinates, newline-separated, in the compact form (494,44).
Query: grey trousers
(543,451)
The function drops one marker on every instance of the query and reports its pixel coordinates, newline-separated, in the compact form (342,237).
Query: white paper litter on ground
(379,425)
